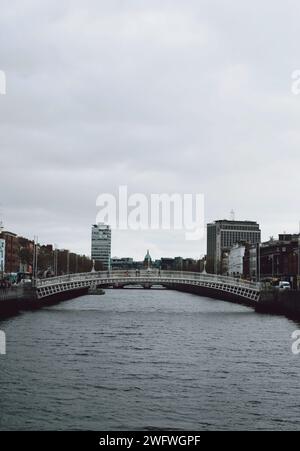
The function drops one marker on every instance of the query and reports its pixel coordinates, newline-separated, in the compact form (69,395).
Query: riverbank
(21,298)
(286,302)
(15,298)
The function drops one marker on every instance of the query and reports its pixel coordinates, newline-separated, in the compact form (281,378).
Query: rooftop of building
(7,233)
(283,238)
(101,225)
(230,221)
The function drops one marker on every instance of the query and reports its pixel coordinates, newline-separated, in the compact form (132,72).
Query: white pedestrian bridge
(209,284)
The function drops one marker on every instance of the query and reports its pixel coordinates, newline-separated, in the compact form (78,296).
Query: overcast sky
(188,96)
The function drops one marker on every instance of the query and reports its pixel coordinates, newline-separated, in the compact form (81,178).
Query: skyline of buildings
(144,239)
(234,248)
(18,255)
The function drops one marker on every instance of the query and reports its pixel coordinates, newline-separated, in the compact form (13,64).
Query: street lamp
(68,262)
(35,259)
(55,260)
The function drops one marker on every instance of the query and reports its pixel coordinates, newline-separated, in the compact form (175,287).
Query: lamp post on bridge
(68,262)
(204,267)
(55,260)
(35,260)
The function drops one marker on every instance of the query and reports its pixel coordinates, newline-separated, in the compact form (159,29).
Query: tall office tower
(223,234)
(101,244)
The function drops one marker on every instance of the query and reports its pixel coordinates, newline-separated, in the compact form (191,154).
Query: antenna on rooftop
(232,215)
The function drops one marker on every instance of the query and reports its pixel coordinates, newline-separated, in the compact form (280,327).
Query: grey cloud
(165,96)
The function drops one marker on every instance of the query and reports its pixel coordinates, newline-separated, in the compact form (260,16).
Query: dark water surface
(148,359)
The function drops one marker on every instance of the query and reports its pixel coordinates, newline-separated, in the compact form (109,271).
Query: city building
(274,259)
(236,260)
(2,257)
(181,264)
(12,257)
(222,235)
(167,264)
(251,263)
(225,262)
(124,263)
(26,255)
(101,245)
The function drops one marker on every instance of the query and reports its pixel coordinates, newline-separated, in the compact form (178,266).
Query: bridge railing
(145,274)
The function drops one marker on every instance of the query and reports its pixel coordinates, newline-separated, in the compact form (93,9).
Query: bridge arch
(204,284)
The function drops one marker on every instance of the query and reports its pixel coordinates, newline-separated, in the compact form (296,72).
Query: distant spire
(147,259)
(147,256)
(232,215)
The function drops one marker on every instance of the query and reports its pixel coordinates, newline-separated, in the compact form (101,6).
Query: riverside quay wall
(19,298)
(14,298)
(274,301)
(281,302)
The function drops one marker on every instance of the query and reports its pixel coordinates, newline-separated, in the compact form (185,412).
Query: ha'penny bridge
(219,287)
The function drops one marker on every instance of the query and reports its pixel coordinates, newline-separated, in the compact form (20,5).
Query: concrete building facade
(222,235)
(236,260)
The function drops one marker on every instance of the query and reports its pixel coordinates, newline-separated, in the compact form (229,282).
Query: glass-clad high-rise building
(101,244)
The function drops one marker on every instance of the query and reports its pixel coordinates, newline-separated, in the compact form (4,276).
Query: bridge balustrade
(146,274)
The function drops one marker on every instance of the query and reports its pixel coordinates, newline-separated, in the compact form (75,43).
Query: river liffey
(149,360)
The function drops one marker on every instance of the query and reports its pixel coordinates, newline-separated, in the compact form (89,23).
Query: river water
(148,360)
